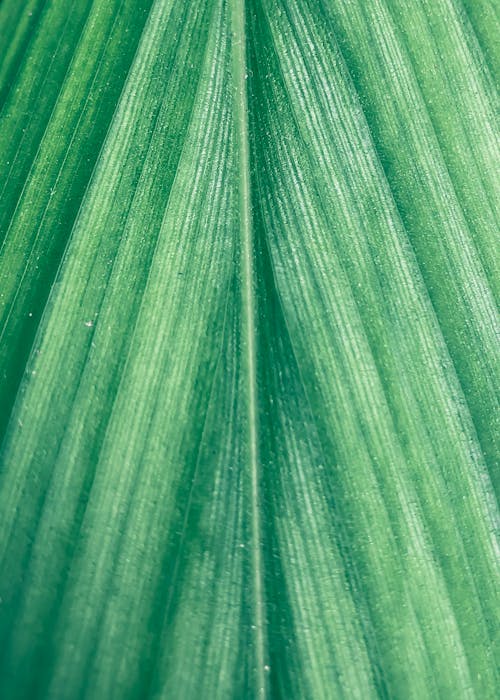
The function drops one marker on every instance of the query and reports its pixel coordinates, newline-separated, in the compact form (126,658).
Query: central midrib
(239,67)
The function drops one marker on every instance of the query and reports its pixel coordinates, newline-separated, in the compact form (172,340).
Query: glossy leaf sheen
(249,403)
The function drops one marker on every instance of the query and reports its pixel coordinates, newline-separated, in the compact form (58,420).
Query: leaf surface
(248,353)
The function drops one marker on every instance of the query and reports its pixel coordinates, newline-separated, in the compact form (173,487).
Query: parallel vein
(249,244)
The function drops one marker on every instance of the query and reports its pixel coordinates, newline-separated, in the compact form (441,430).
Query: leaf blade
(262,276)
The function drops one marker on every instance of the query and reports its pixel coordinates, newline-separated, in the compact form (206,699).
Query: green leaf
(248,350)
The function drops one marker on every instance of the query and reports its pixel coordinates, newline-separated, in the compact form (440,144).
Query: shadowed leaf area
(249,405)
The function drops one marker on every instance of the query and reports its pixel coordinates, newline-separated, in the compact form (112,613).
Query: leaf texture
(248,350)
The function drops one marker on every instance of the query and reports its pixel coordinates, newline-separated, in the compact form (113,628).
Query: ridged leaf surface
(249,349)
